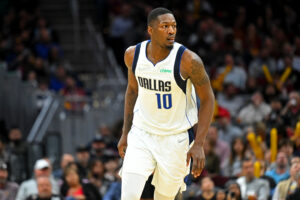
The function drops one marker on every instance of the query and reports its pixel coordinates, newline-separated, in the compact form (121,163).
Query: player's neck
(156,53)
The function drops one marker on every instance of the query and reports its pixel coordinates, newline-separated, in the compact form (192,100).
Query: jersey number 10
(166,99)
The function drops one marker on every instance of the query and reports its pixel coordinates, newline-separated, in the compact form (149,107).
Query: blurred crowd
(30,47)
(251,50)
(91,174)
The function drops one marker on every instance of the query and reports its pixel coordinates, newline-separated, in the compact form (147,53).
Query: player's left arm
(192,68)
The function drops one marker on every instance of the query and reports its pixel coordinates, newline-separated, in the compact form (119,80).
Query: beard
(2,180)
(45,195)
(170,47)
(281,166)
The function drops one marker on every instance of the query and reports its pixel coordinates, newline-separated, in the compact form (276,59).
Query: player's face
(164,30)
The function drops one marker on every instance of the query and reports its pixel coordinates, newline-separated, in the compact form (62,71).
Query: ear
(150,30)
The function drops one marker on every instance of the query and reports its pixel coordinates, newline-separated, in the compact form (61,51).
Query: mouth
(171,39)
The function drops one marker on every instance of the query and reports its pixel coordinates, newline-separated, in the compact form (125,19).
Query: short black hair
(247,159)
(157,12)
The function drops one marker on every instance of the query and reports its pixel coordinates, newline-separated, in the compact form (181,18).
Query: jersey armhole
(136,57)
(181,82)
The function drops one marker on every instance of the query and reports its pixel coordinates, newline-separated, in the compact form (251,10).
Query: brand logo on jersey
(166,71)
(153,84)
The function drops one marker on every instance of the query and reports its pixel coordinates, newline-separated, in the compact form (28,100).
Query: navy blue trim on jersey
(180,82)
(191,135)
(136,56)
(158,61)
(188,178)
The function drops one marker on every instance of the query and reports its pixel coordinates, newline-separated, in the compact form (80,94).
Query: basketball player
(160,111)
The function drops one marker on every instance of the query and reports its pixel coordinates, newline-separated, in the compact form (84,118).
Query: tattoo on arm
(199,75)
(131,97)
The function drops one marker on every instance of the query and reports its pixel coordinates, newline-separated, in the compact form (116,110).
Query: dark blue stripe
(181,83)
(188,178)
(191,135)
(136,56)
(198,102)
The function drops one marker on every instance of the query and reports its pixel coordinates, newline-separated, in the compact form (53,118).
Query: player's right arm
(130,99)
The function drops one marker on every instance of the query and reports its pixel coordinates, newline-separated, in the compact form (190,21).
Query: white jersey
(166,103)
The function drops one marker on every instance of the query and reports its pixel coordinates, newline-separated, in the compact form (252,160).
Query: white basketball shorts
(165,156)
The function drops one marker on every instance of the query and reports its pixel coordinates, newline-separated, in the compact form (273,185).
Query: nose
(171,30)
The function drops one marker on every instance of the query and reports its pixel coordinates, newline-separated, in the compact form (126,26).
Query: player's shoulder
(129,54)
(189,60)
(130,50)
(189,56)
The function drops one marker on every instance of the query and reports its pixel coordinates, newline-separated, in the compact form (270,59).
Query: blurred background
(63,79)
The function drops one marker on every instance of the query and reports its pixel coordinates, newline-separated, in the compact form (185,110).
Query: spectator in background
(274,119)
(57,80)
(212,162)
(256,111)
(44,190)
(296,194)
(65,160)
(108,137)
(82,160)
(54,58)
(286,146)
(291,112)
(207,190)
(233,190)
(98,147)
(114,190)
(119,31)
(42,167)
(229,99)
(252,40)
(221,194)
(42,93)
(291,81)
(8,190)
(32,79)
(44,44)
(281,170)
(221,148)
(251,87)
(287,187)
(295,159)
(17,153)
(96,176)
(17,56)
(251,187)
(71,88)
(39,68)
(238,150)
(256,66)
(3,152)
(233,73)
(111,163)
(296,60)
(227,131)
(270,92)
(74,188)
(41,24)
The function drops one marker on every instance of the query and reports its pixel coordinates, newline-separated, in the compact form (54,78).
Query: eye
(165,26)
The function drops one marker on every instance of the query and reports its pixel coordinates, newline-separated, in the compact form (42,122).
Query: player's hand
(196,152)
(122,145)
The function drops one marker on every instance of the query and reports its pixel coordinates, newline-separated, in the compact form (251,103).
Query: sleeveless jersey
(166,103)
